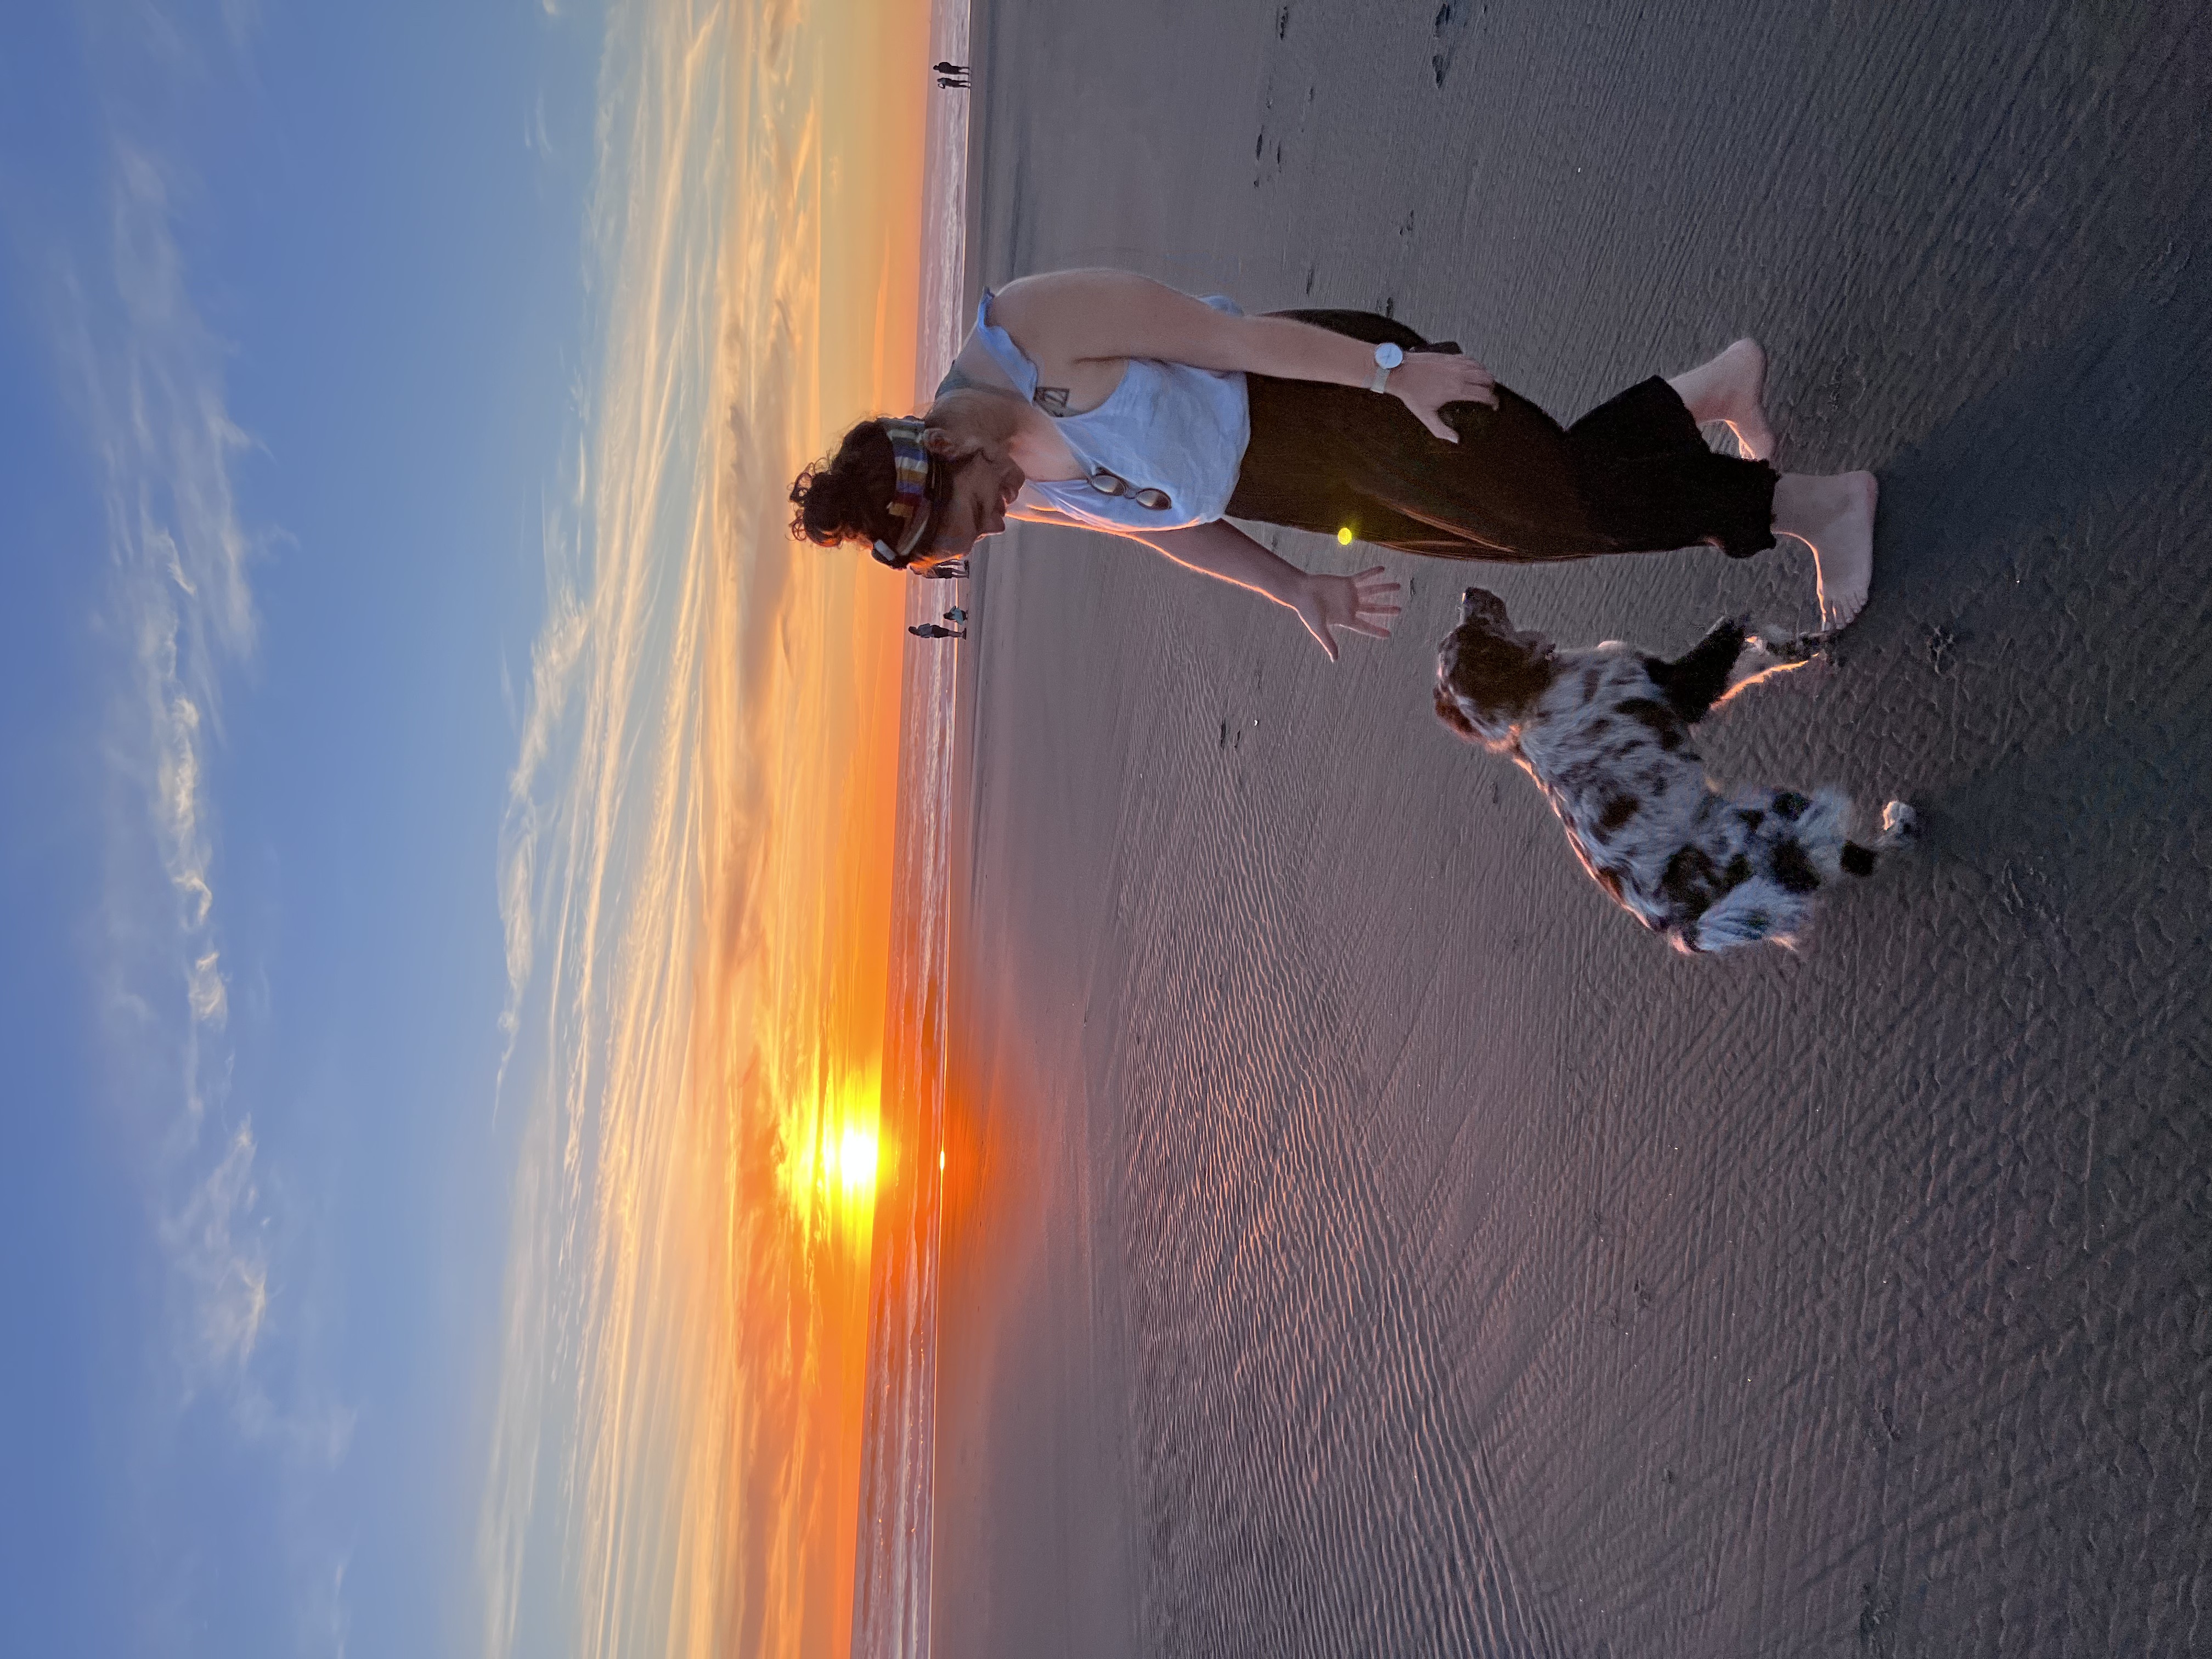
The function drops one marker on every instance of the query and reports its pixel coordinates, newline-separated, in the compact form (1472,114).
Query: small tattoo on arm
(1053,399)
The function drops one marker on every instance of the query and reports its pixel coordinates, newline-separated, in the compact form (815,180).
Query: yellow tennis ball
(1344,536)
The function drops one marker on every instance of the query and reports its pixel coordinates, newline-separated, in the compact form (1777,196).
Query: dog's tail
(1750,913)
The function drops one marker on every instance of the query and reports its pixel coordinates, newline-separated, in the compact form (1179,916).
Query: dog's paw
(1900,825)
(1786,648)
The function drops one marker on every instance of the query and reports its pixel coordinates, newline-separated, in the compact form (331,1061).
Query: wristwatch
(1387,357)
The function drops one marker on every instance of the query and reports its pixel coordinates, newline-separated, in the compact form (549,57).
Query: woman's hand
(1427,380)
(1218,548)
(1361,603)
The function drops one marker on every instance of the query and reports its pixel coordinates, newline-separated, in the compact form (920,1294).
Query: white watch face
(1388,356)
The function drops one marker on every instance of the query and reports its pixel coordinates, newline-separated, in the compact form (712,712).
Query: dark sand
(1363,1240)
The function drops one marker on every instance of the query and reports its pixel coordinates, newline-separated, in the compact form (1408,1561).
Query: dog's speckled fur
(1606,734)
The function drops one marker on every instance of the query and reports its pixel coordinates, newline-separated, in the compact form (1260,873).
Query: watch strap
(1388,356)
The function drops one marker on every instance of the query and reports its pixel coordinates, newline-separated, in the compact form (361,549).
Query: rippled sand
(1365,1241)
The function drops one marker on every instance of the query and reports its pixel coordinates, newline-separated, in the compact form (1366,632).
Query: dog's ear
(1497,680)
(1450,712)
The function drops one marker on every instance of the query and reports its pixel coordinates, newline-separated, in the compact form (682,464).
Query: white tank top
(1168,428)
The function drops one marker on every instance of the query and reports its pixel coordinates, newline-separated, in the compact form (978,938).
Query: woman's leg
(1831,514)
(1335,458)
(1652,483)
(1834,515)
(1632,476)
(1731,388)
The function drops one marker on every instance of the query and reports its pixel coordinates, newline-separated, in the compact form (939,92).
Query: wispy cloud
(224,1269)
(537,134)
(146,375)
(182,619)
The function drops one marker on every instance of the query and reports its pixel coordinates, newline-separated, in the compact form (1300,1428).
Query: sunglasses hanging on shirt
(1108,484)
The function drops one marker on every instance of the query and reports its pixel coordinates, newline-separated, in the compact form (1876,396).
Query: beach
(1358,1237)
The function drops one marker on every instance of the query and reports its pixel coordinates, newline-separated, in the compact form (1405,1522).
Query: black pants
(1632,476)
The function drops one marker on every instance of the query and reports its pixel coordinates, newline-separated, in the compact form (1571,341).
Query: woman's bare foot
(1731,388)
(1834,516)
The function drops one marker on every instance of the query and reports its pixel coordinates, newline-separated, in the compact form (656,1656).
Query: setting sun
(840,1157)
(851,1162)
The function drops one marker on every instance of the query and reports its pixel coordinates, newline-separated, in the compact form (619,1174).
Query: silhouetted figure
(952,85)
(931,631)
(946,570)
(957,614)
(951,68)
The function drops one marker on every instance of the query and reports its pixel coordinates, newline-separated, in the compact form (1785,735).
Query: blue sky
(291,323)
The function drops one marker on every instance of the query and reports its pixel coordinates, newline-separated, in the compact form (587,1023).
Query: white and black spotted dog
(1606,734)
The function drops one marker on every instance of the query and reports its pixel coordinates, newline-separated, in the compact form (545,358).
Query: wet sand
(1362,1239)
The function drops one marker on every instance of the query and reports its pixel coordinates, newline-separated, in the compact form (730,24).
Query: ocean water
(890,1614)
(892,1569)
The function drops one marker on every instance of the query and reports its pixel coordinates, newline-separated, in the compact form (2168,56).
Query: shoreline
(893,1572)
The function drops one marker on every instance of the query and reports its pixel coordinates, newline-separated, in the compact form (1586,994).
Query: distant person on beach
(950,84)
(950,69)
(956,614)
(1102,398)
(931,631)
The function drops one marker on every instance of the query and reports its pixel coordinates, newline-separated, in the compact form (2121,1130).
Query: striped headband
(909,504)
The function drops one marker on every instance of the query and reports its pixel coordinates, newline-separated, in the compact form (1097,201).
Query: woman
(1104,398)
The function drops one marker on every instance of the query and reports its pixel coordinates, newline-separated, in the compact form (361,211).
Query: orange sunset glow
(697,878)
(830,1173)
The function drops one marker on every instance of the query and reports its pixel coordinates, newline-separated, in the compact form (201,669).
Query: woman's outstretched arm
(1100,315)
(1362,604)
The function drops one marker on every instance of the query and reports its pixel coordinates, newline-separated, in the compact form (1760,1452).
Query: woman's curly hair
(846,496)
